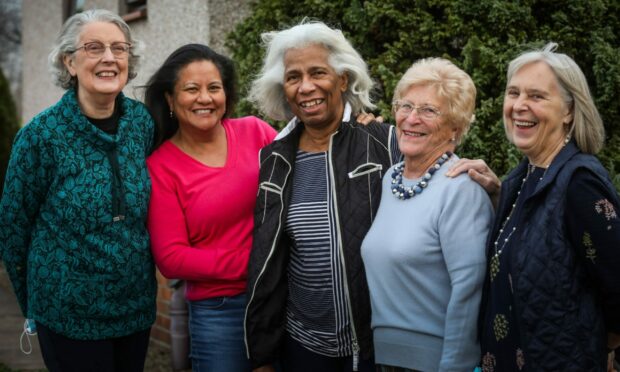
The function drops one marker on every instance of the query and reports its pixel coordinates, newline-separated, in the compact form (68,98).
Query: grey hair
(453,85)
(587,126)
(267,90)
(67,40)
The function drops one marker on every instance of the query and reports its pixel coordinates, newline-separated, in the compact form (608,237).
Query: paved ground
(11,326)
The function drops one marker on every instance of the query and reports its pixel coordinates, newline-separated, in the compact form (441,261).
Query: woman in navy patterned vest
(552,294)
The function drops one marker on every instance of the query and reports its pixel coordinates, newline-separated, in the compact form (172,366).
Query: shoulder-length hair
(165,78)
(267,90)
(67,40)
(587,126)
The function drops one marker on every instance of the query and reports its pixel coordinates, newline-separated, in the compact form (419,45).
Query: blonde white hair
(453,85)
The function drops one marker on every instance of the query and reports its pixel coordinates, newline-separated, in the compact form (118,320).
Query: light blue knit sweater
(425,263)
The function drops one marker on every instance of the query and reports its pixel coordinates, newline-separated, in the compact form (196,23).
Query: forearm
(613,340)
(181,261)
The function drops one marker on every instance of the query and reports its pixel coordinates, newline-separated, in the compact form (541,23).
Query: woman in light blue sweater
(424,254)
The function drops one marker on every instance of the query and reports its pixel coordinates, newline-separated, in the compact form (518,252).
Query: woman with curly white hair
(319,190)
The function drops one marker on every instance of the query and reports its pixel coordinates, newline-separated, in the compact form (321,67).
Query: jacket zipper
(273,246)
(356,348)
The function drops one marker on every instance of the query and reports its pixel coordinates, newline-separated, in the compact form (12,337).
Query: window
(71,7)
(132,10)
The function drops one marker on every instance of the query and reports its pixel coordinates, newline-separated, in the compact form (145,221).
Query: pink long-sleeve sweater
(200,217)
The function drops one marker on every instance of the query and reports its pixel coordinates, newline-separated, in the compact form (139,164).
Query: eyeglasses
(96,49)
(404,109)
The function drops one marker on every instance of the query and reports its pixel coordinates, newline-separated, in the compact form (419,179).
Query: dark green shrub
(8,126)
(479,36)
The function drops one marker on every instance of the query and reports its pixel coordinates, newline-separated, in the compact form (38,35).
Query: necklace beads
(402,192)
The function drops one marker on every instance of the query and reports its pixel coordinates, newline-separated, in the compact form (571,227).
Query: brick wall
(160,332)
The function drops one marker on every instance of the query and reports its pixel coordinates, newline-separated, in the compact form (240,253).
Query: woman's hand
(367,117)
(610,362)
(613,342)
(480,172)
(266,368)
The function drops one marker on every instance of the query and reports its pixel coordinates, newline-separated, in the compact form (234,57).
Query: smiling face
(312,87)
(423,140)
(198,100)
(536,118)
(102,76)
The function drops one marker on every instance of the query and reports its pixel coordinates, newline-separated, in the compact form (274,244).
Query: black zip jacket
(357,159)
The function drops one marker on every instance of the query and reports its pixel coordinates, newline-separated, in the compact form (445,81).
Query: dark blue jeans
(216,332)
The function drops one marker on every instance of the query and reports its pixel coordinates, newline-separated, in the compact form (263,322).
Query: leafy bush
(479,36)
(8,126)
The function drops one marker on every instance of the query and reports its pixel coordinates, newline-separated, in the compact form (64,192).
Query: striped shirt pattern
(317,313)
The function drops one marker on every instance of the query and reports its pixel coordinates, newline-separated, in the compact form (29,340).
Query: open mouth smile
(312,103)
(106,74)
(413,134)
(203,111)
(523,124)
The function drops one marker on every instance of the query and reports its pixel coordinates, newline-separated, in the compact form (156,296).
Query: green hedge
(8,126)
(480,36)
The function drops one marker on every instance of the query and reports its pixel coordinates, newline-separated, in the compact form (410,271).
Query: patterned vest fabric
(559,321)
(73,233)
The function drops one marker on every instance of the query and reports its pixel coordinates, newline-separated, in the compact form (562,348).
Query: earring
(171,114)
(567,139)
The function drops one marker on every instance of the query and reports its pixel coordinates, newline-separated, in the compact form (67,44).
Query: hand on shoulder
(479,171)
(366,118)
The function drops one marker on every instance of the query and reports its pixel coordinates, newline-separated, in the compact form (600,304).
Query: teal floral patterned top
(73,229)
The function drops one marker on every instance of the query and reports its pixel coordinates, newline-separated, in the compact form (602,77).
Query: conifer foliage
(480,36)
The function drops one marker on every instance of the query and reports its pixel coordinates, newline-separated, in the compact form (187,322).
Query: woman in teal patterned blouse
(73,230)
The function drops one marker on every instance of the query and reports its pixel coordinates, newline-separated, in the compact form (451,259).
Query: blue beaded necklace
(404,193)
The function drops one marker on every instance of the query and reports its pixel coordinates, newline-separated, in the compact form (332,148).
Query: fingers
(368,117)
(265,368)
(479,171)
(610,362)
(365,118)
(464,165)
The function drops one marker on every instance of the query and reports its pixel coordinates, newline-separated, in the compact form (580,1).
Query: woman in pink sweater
(204,174)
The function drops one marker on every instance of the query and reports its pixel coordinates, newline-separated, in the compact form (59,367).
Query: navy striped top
(317,313)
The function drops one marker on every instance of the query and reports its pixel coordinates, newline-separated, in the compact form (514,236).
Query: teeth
(526,124)
(311,103)
(203,111)
(413,134)
(106,74)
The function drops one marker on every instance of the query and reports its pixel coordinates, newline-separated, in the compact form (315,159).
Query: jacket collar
(294,122)
(287,141)
(567,153)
